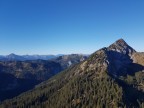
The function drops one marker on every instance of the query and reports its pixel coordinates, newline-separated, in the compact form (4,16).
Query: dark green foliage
(108,79)
(85,91)
(82,91)
(75,88)
(24,75)
(133,87)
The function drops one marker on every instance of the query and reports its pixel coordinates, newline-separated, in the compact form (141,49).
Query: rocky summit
(117,59)
(122,47)
(112,77)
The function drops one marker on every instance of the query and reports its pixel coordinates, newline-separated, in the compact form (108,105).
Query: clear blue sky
(69,26)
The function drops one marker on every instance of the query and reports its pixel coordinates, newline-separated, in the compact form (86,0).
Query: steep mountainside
(109,78)
(40,69)
(11,86)
(26,74)
(17,77)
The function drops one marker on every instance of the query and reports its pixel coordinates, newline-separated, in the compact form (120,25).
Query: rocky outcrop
(122,47)
(117,59)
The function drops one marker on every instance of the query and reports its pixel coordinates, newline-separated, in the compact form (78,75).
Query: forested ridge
(110,78)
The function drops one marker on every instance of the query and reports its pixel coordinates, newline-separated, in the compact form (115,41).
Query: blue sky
(69,26)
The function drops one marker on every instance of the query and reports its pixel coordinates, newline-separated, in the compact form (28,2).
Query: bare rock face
(122,47)
(117,59)
(101,72)
(119,56)
(98,61)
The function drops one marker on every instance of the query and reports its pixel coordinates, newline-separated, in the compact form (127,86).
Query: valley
(112,77)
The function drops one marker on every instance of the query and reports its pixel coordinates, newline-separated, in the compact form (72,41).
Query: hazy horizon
(42,54)
(63,53)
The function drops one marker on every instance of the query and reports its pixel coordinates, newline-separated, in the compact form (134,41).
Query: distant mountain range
(14,57)
(18,75)
(112,77)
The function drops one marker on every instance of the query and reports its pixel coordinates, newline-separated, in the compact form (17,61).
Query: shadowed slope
(103,80)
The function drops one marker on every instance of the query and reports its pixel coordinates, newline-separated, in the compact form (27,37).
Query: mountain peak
(121,42)
(122,47)
(12,55)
